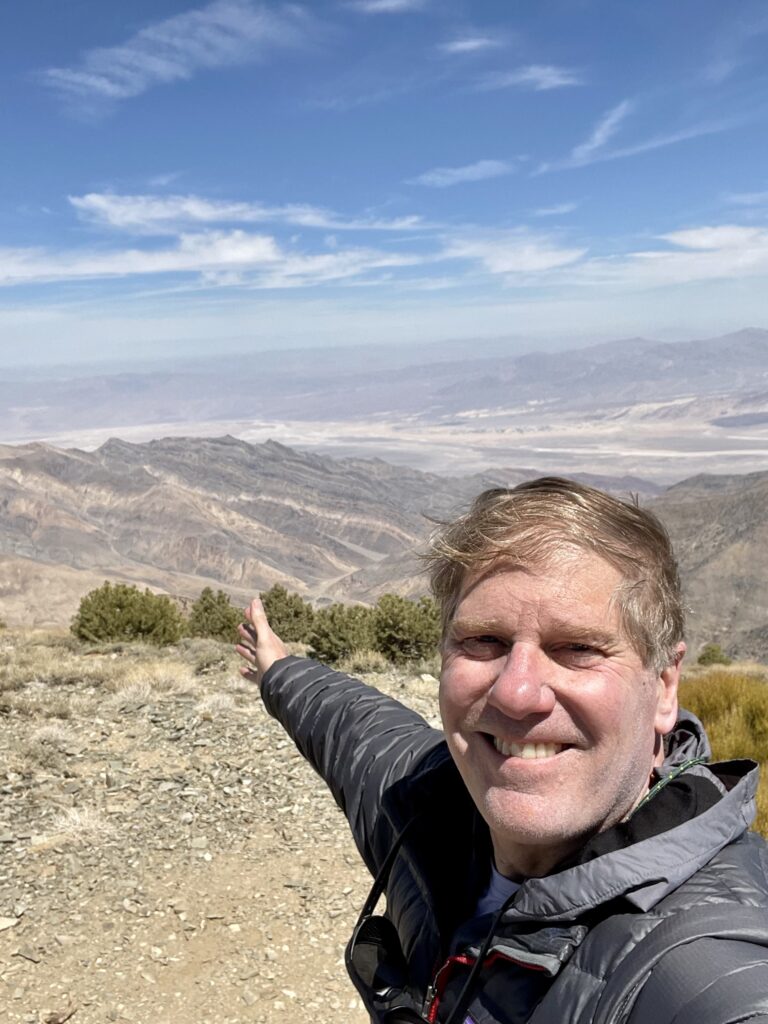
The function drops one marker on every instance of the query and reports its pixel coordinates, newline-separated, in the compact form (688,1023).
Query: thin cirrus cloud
(595,148)
(707,253)
(162,215)
(386,6)
(445,177)
(193,252)
(539,77)
(603,131)
(225,32)
(747,198)
(469,44)
(557,210)
(212,257)
(512,252)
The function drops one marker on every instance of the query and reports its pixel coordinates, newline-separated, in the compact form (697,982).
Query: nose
(521,688)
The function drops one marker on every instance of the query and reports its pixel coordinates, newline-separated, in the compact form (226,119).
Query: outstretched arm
(359,740)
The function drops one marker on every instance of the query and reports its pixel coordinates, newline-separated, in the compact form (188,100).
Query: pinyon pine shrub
(214,615)
(713,654)
(340,629)
(405,630)
(290,616)
(121,612)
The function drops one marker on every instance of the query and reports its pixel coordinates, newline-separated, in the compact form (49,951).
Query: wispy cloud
(444,177)
(161,180)
(220,258)
(193,252)
(538,77)
(225,32)
(698,254)
(604,130)
(469,44)
(512,252)
(732,49)
(594,149)
(386,6)
(153,214)
(747,198)
(558,210)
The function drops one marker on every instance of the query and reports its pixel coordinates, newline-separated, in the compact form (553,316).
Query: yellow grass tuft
(732,703)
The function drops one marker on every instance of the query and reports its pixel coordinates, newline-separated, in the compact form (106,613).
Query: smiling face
(550,715)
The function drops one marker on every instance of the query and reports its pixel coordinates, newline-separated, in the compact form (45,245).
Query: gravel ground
(165,853)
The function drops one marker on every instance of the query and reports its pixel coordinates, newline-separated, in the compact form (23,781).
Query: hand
(261,647)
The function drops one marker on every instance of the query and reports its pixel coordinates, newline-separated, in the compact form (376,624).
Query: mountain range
(179,514)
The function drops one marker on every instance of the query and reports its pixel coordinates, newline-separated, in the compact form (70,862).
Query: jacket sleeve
(359,740)
(708,981)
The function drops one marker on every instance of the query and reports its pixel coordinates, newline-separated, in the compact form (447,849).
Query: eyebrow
(560,628)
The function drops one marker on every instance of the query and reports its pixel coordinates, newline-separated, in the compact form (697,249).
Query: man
(530,852)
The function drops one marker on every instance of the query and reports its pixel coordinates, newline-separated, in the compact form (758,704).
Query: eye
(483,646)
(578,655)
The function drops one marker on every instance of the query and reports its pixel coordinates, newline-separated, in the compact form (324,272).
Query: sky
(182,180)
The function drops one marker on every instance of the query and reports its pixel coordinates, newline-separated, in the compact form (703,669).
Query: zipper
(435,991)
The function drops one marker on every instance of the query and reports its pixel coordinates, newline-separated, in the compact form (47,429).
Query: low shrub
(123,612)
(339,630)
(214,615)
(713,654)
(289,615)
(406,631)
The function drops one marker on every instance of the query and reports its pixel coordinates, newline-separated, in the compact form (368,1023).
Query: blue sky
(234,176)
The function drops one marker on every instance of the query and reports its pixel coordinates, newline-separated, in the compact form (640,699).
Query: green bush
(214,615)
(406,631)
(340,629)
(120,611)
(289,615)
(713,654)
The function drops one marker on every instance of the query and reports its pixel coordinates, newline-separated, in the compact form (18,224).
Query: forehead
(575,586)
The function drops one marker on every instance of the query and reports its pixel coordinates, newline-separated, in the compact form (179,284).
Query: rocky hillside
(719,525)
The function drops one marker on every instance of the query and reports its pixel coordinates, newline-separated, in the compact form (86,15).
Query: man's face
(549,713)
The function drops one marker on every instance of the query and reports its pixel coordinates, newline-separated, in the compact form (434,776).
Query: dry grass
(214,704)
(364,661)
(76,826)
(732,702)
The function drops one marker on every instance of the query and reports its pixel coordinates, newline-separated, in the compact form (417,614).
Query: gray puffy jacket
(547,956)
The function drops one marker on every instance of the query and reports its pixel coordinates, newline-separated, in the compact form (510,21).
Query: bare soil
(165,853)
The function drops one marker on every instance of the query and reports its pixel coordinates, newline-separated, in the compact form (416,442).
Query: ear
(669,680)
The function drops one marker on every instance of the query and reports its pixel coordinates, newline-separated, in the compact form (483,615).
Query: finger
(256,615)
(245,652)
(247,632)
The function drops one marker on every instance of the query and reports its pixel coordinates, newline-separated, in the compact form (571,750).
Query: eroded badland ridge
(180,514)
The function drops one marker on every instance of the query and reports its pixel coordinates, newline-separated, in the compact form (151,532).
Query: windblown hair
(528,525)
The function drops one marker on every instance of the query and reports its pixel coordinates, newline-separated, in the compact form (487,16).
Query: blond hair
(529,524)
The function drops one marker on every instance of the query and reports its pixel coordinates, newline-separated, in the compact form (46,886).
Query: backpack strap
(714,921)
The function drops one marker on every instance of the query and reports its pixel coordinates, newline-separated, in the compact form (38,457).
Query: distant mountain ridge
(182,513)
(598,377)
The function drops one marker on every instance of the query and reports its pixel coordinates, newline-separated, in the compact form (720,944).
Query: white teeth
(527,750)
